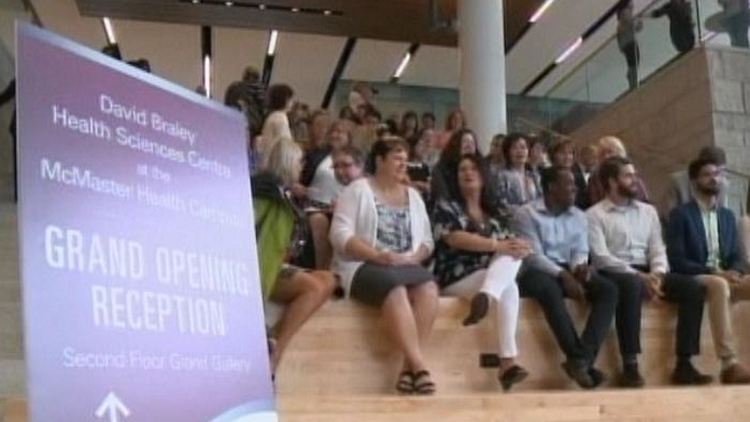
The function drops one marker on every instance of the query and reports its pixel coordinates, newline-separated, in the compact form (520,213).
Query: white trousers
(498,281)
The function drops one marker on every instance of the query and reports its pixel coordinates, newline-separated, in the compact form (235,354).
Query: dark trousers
(737,26)
(548,292)
(632,55)
(685,291)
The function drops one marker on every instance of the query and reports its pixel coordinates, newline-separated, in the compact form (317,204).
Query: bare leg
(303,293)
(424,301)
(401,326)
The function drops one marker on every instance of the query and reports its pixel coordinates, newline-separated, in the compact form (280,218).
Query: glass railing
(605,75)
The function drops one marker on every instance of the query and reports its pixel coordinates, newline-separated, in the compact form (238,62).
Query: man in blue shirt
(558,268)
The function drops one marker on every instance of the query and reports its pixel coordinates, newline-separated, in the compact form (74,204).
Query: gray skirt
(372,283)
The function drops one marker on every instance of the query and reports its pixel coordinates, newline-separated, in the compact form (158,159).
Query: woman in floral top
(477,258)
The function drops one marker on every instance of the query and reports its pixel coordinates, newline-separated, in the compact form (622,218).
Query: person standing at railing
(736,21)
(627,28)
(680,14)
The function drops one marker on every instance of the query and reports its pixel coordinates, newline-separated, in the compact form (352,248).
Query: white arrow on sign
(113,406)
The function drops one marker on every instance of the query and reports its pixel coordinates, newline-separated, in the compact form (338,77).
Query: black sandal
(512,376)
(405,383)
(423,384)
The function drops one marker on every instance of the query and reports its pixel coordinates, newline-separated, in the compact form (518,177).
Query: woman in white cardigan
(380,235)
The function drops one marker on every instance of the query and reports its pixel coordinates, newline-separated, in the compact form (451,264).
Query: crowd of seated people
(394,216)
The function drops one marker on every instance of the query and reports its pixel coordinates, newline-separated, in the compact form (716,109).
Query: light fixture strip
(402,66)
(207,75)
(272,42)
(109,31)
(539,12)
(570,50)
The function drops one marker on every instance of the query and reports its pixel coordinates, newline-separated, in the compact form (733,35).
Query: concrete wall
(730,80)
(700,99)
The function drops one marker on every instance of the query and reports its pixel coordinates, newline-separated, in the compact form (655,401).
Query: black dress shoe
(480,305)
(631,377)
(597,377)
(686,374)
(579,373)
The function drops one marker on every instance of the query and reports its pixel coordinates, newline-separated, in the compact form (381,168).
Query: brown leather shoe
(735,374)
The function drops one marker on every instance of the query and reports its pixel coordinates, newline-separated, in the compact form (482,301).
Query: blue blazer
(686,240)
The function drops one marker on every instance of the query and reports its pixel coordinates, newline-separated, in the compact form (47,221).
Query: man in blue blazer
(702,240)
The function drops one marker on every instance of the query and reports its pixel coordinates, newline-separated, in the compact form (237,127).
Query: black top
(451,265)
(680,24)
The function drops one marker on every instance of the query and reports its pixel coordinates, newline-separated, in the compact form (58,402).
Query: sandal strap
(405,383)
(423,383)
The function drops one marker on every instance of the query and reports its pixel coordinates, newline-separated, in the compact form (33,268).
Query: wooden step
(710,404)
(343,350)
(706,404)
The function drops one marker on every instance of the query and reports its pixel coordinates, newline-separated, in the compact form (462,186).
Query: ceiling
(306,60)
(412,21)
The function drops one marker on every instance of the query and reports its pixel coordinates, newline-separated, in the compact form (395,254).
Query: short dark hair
(352,151)
(610,169)
(551,175)
(382,147)
(250,74)
(558,146)
(428,115)
(511,140)
(695,167)
(278,96)
(714,153)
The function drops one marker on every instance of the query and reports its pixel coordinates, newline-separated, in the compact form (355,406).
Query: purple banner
(138,260)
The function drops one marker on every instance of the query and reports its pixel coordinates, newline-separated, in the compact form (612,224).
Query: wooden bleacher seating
(343,350)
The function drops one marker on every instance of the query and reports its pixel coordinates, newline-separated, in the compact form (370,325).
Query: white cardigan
(356,215)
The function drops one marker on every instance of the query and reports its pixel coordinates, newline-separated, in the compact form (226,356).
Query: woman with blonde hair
(280,229)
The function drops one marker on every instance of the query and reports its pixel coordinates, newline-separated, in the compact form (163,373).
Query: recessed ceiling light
(229,3)
(262,6)
(326,12)
(196,1)
(295,9)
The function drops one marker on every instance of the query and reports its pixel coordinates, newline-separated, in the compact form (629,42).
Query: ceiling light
(295,9)
(196,1)
(272,42)
(262,6)
(109,31)
(327,12)
(229,3)
(539,12)
(573,47)
(402,66)
(207,75)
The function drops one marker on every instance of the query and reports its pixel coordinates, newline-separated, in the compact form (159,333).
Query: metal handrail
(542,128)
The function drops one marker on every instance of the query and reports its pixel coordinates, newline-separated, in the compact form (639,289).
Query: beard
(708,189)
(629,192)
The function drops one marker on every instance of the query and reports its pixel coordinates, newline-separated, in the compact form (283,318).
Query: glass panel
(717,22)
(660,31)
